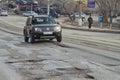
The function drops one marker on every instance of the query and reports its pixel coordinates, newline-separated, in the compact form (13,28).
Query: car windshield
(29,12)
(43,20)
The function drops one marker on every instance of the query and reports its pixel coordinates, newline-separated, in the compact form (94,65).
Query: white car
(3,13)
(77,15)
(29,13)
(118,18)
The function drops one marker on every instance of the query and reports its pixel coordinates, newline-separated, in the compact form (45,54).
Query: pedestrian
(90,21)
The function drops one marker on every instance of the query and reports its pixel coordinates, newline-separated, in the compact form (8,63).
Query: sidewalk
(85,28)
(91,30)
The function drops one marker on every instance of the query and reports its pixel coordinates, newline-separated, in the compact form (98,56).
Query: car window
(3,11)
(28,12)
(43,20)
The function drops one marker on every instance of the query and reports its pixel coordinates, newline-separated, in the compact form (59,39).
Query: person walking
(90,21)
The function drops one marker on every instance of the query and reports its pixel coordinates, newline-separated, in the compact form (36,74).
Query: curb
(91,30)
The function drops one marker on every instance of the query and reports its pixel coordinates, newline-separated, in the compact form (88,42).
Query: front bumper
(44,35)
(3,14)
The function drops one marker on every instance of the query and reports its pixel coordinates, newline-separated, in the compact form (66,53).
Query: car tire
(31,38)
(59,38)
(26,39)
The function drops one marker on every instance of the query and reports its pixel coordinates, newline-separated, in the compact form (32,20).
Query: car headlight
(38,29)
(57,29)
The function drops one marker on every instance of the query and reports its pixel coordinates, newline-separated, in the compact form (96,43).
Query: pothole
(73,70)
(112,64)
(89,76)
(62,45)
(76,72)
(37,78)
(23,61)
(40,70)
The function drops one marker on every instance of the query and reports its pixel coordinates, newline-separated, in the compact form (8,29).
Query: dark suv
(41,27)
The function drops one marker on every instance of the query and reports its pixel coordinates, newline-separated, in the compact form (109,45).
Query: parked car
(29,13)
(118,18)
(3,13)
(52,12)
(38,10)
(32,2)
(41,27)
(77,15)
(21,2)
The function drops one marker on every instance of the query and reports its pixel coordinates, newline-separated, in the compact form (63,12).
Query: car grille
(47,29)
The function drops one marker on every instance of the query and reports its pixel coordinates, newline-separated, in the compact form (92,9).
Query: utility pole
(48,8)
(80,12)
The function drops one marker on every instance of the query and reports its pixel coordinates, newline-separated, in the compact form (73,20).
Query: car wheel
(26,39)
(31,38)
(59,38)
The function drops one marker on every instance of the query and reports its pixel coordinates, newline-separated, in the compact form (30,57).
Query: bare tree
(68,7)
(108,8)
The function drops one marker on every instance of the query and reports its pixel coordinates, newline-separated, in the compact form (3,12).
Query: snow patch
(52,65)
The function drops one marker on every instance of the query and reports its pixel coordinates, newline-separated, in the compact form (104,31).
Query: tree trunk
(110,22)
(105,17)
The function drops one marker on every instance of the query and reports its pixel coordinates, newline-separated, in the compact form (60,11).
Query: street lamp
(80,11)
(48,8)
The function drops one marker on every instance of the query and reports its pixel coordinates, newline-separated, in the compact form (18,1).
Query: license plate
(47,32)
